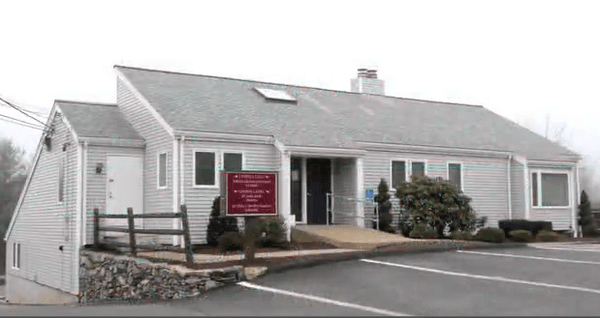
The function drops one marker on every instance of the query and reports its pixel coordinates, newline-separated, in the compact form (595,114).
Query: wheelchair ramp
(346,236)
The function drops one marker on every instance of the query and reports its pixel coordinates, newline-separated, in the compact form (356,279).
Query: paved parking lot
(542,279)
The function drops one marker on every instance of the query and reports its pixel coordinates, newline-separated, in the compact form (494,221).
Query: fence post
(130,221)
(96,229)
(189,257)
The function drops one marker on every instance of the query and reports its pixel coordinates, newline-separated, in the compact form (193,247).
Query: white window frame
(408,169)
(539,188)
(217,155)
(222,167)
(158,186)
(462,173)
(16,254)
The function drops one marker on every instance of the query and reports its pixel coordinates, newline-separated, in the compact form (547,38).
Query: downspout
(181,178)
(509,170)
(578,189)
(527,190)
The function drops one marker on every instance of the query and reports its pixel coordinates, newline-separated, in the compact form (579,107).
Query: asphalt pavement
(547,279)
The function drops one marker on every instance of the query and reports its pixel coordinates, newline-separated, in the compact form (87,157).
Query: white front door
(124,187)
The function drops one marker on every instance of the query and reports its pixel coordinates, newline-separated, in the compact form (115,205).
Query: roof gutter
(193,136)
(383,146)
(114,142)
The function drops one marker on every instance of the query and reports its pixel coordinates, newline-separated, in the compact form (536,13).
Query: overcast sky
(520,59)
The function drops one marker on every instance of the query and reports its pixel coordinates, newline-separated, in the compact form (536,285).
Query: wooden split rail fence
(132,231)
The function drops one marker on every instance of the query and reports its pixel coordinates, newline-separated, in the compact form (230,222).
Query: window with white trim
(455,175)
(232,161)
(16,255)
(398,172)
(162,170)
(404,170)
(205,164)
(549,189)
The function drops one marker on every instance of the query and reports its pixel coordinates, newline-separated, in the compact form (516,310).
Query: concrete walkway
(347,236)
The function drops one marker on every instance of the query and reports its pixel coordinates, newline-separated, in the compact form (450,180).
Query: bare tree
(13,173)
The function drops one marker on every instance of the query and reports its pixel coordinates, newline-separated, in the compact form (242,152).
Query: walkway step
(346,236)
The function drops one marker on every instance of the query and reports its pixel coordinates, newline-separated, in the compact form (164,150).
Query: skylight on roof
(275,94)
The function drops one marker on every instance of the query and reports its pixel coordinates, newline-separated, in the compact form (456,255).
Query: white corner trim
(181,176)
(158,186)
(35,162)
(175,183)
(578,196)
(360,188)
(527,188)
(462,172)
(80,211)
(215,184)
(163,123)
(84,193)
(509,186)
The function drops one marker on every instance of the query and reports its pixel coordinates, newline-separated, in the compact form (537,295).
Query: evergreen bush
(217,225)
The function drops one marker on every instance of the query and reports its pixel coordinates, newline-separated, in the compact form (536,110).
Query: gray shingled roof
(330,118)
(97,120)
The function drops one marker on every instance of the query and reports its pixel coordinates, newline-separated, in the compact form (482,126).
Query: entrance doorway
(318,185)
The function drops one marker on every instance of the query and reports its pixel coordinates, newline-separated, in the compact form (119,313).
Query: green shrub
(548,236)
(590,230)
(231,241)
(418,231)
(491,235)
(521,236)
(519,224)
(430,233)
(436,202)
(217,225)
(269,232)
(461,235)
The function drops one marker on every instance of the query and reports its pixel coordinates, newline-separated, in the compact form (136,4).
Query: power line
(20,122)
(36,113)
(24,113)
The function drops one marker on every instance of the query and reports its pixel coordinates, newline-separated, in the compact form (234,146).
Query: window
(549,189)
(418,169)
(455,175)
(61,178)
(162,170)
(204,171)
(398,172)
(232,162)
(16,255)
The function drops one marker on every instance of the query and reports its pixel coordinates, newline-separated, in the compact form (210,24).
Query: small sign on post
(369,195)
(249,194)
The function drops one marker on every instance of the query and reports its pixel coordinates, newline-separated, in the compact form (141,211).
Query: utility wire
(36,113)
(20,122)
(17,108)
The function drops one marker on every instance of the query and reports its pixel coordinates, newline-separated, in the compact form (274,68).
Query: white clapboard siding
(43,224)
(96,183)
(261,157)
(344,190)
(158,140)
(485,180)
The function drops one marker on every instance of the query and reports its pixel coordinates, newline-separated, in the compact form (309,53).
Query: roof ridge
(293,85)
(85,103)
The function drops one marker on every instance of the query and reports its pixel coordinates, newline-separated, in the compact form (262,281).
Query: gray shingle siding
(43,225)
(157,140)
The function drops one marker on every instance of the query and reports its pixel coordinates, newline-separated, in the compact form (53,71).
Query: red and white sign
(250,193)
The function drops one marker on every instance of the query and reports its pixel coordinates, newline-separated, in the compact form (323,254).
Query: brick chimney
(367,82)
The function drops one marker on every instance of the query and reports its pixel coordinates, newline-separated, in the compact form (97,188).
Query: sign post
(250,194)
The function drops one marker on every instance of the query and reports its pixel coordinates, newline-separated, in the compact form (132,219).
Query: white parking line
(532,257)
(564,247)
(495,278)
(322,300)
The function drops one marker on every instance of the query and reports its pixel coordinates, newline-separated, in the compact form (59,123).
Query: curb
(393,250)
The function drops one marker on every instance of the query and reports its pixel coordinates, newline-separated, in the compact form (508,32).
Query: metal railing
(396,211)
